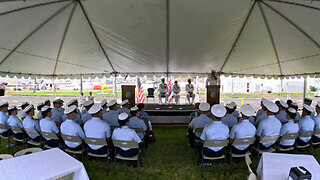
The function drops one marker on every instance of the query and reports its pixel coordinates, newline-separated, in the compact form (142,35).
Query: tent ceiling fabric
(68,38)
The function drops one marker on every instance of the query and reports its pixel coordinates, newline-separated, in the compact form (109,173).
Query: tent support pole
(54,87)
(305,83)
(115,94)
(81,84)
(35,85)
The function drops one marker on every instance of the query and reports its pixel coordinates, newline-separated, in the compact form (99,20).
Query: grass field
(168,158)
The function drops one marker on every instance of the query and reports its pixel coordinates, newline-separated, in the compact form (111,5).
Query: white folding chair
(32,132)
(130,145)
(317,132)
(307,134)
(211,144)
(289,136)
(266,139)
(75,139)
(240,142)
(197,139)
(97,142)
(48,135)
(252,175)
(5,156)
(27,151)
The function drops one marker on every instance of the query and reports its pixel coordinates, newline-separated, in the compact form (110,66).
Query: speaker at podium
(213,94)
(128,92)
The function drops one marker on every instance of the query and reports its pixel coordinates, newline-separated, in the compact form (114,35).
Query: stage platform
(169,114)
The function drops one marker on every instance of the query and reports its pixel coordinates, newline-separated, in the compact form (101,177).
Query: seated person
(190,89)
(270,126)
(39,115)
(4,118)
(15,121)
(295,106)
(79,116)
(125,107)
(86,116)
(289,127)
(282,116)
(316,138)
(30,123)
(48,125)
(142,114)
(262,113)
(124,133)
(199,122)
(137,123)
(214,131)
(163,91)
(97,128)
(230,120)
(57,111)
(235,112)
(71,128)
(21,113)
(111,117)
(176,92)
(306,124)
(196,113)
(244,129)
(104,106)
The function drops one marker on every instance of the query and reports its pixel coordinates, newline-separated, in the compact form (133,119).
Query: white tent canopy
(97,37)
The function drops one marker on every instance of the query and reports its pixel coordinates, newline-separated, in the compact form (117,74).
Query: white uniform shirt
(317,124)
(125,134)
(163,88)
(4,120)
(48,125)
(306,124)
(200,122)
(189,88)
(71,128)
(289,127)
(30,123)
(230,120)
(135,122)
(215,131)
(15,121)
(111,118)
(176,89)
(282,116)
(269,127)
(212,81)
(96,128)
(243,129)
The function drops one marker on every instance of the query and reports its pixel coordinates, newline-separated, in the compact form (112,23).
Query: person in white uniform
(230,120)
(124,133)
(262,114)
(30,123)
(86,116)
(4,118)
(214,131)
(316,138)
(39,114)
(282,115)
(306,124)
(79,116)
(296,107)
(308,102)
(71,128)
(47,102)
(136,123)
(104,106)
(48,125)
(288,128)
(213,79)
(97,128)
(235,112)
(15,121)
(111,117)
(190,91)
(21,113)
(57,112)
(270,126)
(199,122)
(244,129)
(125,107)
(176,92)
(82,99)
(163,91)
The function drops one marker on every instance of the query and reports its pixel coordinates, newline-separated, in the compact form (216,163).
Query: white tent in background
(93,37)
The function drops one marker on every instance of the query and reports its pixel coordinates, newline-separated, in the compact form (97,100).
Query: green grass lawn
(168,158)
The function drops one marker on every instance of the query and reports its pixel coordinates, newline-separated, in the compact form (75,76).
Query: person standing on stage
(163,91)
(213,78)
(176,92)
(189,90)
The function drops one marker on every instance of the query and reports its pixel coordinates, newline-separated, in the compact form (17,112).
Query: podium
(128,92)
(213,94)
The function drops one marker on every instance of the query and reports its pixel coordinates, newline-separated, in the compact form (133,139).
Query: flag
(140,98)
(170,91)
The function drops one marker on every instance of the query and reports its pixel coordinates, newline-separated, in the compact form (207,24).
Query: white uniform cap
(233,104)
(308,108)
(70,109)
(291,110)
(95,109)
(44,108)
(218,110)
(11,108)
(318,103)
(229,106)
(284,104)
(204,107)
(103,102)
(112,102)
(4,104)
(264,102)
(135,108)
(88,103)
(124,102)
(58,100)
(71,102)
(28,108)
(271,106)
(123,116)
(247,110)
